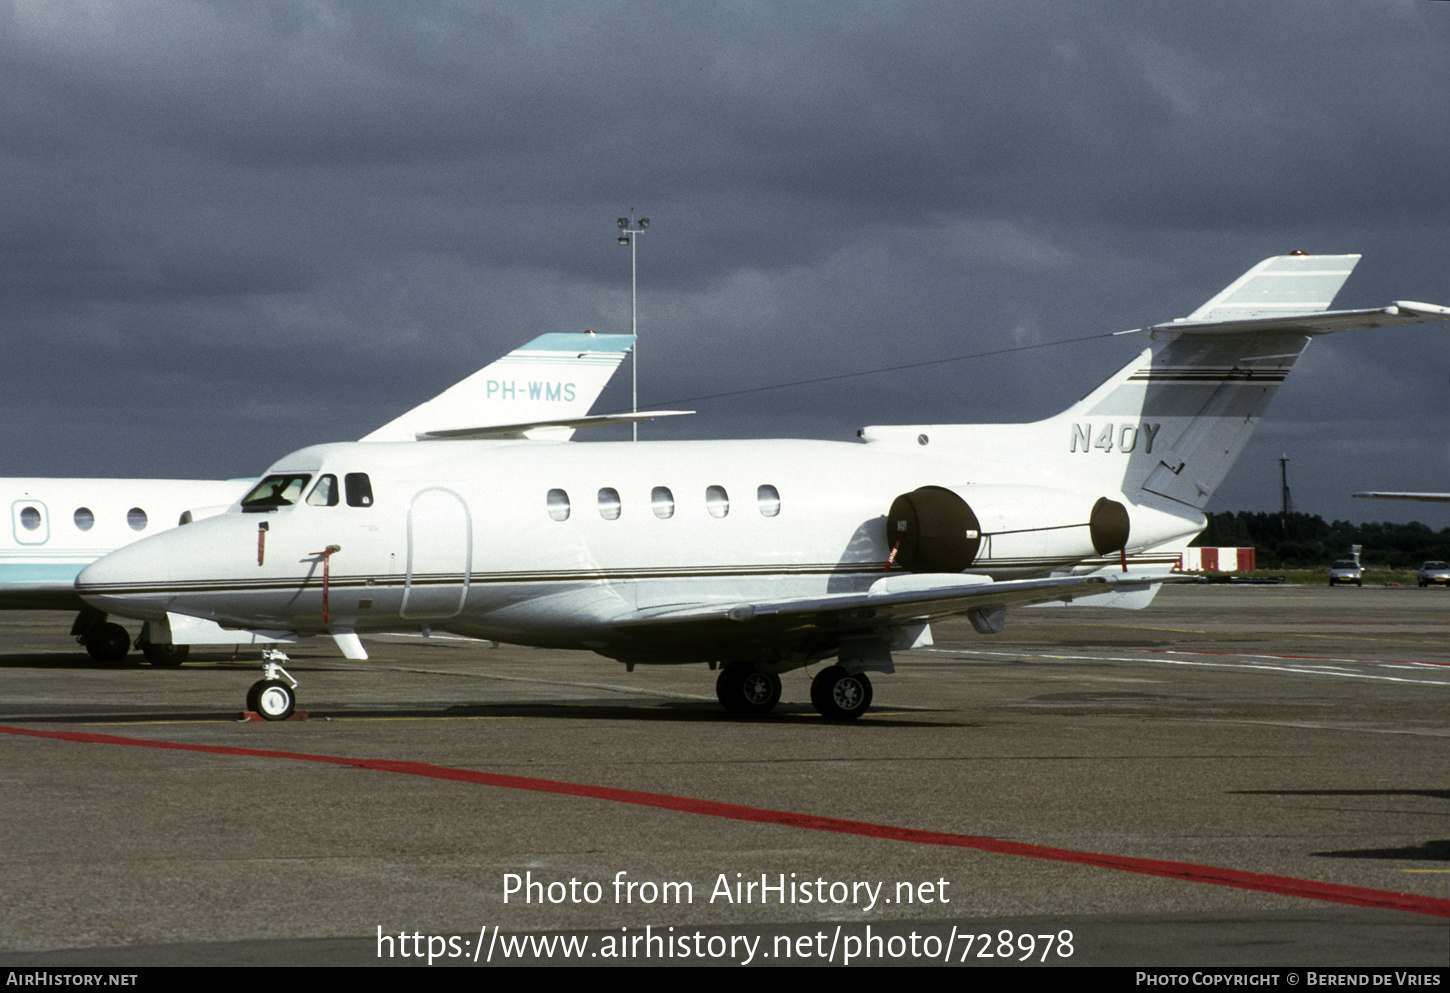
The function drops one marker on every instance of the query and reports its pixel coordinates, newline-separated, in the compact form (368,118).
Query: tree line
(1305,541)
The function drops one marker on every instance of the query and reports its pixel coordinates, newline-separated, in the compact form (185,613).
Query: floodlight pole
(628,234)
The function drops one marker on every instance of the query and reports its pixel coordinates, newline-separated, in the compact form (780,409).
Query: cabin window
(85,520)
(663,502)
(717,501)
(609,503)
(136,517)
(282,490)
(359,489)
(30,518)
(324,494)
(768,497)
(559,505)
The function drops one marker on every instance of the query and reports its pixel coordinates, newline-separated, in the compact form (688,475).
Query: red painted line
(1307,889)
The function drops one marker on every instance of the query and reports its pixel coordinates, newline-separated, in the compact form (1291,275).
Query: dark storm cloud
(230,230)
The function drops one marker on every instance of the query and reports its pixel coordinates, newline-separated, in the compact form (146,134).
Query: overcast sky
(234,229)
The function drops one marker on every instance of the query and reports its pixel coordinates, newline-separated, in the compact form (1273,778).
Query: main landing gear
(743,690)
(840,696)
(837,694)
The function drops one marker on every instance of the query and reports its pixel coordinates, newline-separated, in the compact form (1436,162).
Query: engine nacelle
(935,529)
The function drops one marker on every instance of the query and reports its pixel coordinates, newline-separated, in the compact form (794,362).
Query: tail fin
(1185,409)
(555,377)
(1170,423)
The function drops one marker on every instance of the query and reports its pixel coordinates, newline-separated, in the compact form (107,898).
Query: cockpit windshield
(280,490)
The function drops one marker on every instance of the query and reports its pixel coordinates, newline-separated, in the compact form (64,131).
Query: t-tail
(1166,428)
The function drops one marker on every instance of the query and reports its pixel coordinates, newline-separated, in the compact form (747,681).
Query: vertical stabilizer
(1183,410)
(554,377)
(1166,428)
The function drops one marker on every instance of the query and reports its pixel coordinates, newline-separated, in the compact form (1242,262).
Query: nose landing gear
(275,697)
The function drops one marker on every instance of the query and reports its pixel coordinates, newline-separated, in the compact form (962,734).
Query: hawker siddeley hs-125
(757,556)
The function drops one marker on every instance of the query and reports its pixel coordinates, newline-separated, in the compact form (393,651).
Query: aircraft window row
(286,488)
(662,502)
(31,518)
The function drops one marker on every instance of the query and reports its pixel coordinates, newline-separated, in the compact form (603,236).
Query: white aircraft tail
(1171,422)
(556,377)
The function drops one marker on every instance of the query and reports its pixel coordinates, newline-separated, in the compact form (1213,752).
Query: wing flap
(882,607)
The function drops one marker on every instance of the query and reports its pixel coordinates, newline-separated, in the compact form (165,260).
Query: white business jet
(763,556)
(59,526)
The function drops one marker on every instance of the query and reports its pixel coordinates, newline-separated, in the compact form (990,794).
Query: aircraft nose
(132,581)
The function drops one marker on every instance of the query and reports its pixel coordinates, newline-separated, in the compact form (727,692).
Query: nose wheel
(275,697)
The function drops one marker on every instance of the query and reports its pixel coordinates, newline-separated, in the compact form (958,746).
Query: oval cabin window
(769,499)
(559,505)
(717,501)
(609,503)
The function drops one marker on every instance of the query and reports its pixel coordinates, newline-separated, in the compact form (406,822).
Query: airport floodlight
(629,235)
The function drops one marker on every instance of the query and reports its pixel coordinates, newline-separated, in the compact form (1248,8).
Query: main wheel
(169,656)
(743,690)
(107,642)
(271,698)
(840,696)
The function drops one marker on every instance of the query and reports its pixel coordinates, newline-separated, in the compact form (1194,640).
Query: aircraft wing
(894,601)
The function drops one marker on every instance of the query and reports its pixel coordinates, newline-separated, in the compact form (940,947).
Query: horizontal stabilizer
(527,429)
(1321,322)
(1422,497)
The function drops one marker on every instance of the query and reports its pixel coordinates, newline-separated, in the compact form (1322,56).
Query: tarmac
(1235,776)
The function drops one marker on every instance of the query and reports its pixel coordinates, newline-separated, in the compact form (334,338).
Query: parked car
(1434,573)
(1346,571)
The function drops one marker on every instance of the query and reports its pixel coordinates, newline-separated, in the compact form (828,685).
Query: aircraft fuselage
(549,544)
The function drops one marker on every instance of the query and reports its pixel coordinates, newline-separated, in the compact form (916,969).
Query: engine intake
(933,529)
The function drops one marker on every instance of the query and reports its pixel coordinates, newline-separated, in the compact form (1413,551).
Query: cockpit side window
(280,490)
(324,494)
(359,489)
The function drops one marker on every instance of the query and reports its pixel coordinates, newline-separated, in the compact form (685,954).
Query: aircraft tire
(168,656)
(840,696)
(272,699)
(107,642)
(742,690)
